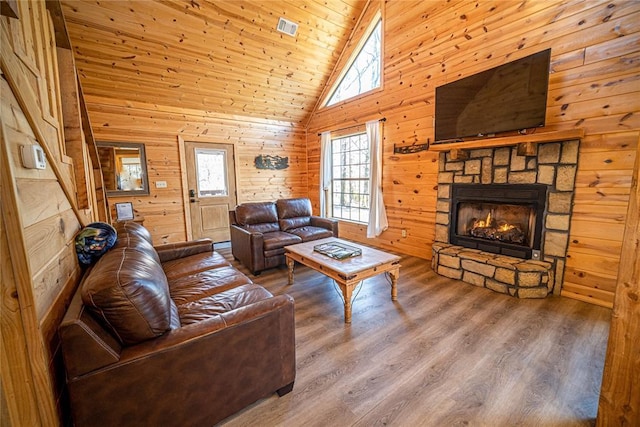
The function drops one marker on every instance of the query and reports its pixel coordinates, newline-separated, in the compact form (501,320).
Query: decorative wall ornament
(408,149)
(271,162)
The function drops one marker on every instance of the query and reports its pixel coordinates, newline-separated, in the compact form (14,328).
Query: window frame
(366,179)
(377,20)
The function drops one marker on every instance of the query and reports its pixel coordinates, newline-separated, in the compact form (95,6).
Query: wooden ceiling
(218,56)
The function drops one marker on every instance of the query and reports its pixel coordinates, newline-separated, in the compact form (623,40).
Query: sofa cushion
(276,255)
(310,232)
(192,264)
(197,286)
(231,299)
(279,239)
(259,217)
(293,213)
(127,290)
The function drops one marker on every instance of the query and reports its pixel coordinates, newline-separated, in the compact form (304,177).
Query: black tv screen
(510,97)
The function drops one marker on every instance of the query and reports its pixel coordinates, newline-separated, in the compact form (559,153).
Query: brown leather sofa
(261,230)
(173,336)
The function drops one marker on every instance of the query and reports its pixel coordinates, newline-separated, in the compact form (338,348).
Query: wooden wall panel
(158,127)
(40,218)
(225,57)
(21,407)
(21,330)
(620,393)
(603,184)
(594,85)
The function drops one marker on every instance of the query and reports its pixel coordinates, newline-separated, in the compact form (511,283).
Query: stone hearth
(514,276)
(553,164)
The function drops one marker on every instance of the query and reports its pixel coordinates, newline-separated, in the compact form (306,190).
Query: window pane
(212,172)
(364,73)
(350,181)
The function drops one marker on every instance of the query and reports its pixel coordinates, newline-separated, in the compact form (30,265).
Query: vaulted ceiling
(219,56)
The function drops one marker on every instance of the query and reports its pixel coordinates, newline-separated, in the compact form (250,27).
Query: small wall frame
(124,211)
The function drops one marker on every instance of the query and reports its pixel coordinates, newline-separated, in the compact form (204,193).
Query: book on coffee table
(337,250)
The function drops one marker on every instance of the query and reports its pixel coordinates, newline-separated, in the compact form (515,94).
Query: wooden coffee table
(349,272)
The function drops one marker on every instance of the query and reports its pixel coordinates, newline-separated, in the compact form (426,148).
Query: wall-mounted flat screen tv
(510,97)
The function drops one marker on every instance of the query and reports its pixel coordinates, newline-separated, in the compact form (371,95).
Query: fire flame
(488,222)
(506,227)
(485,223)
(492,229)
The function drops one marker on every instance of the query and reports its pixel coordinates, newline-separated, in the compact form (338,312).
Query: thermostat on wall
(33,157)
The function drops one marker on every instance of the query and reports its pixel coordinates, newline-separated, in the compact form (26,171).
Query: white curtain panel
(377,213)
(325,172)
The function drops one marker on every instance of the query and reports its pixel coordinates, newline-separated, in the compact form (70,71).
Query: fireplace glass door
(505,223)
(498,218)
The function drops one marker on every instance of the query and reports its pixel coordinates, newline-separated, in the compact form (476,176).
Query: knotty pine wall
(158,127)
(594,85)
(40,218)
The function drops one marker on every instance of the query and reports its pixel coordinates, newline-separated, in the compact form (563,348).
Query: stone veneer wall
(554,164)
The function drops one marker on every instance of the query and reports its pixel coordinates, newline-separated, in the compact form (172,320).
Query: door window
(211,172)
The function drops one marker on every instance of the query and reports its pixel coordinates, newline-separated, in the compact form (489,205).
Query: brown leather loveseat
(261,230)
(172,336)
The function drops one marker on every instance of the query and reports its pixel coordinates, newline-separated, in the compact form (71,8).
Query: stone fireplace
(503,217)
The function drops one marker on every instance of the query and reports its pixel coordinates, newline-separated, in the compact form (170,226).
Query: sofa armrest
(170,251)
(328,223)
(248,247)
(195,375)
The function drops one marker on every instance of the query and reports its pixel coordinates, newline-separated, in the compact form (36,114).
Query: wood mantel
(534,138)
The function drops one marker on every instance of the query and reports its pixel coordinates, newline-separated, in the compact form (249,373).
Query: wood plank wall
(158,127)
(620,393)
(40,217)
(594,85)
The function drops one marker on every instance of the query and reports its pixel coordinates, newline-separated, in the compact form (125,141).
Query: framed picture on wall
(124,211)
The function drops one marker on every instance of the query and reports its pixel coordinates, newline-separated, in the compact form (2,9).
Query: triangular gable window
(364,70)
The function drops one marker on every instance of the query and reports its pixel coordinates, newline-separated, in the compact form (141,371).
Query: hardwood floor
(445,354)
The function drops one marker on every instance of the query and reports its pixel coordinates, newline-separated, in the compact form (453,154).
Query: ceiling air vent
(287,27)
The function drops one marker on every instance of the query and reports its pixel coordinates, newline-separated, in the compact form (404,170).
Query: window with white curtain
(350,168)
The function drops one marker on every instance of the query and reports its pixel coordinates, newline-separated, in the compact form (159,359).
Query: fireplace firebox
(497,218)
